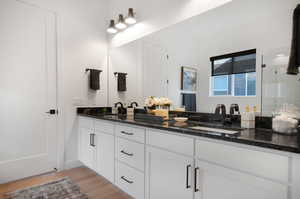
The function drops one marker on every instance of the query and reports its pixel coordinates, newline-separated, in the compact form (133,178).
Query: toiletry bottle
(254,109)
(247,109)
(248,119)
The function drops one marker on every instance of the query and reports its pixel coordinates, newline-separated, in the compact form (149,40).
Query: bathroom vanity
(160,161)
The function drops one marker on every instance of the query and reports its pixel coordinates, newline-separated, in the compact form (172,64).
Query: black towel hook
(88,69)
(116,73)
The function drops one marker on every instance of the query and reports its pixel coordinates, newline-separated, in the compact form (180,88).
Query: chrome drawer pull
(129,154)
(187,176)
(195,180)
(124,132)
(128,181)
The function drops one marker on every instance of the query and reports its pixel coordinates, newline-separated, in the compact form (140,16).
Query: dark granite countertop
(256,137)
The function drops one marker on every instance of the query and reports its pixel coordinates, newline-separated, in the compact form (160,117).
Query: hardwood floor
(95,186)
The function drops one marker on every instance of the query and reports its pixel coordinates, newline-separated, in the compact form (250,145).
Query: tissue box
(284,124)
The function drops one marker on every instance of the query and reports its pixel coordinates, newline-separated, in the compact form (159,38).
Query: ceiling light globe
(121,26)
(111,29)
(130,20)
(121,23)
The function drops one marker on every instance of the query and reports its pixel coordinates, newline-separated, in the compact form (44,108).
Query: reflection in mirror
(154,63)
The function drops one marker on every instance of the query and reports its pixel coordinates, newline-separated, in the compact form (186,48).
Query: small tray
(149,118)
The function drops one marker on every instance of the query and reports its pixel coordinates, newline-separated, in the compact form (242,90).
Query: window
(234,74)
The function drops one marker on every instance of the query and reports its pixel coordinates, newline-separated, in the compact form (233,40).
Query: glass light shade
(111,29)
(121,24)
(130,19)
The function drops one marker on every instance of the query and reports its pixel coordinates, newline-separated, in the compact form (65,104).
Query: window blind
(234,63)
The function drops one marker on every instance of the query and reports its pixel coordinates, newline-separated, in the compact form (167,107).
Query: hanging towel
(122,82)
(294,62)
(95,79)
(189,101)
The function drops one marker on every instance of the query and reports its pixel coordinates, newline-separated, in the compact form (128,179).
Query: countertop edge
(205,135)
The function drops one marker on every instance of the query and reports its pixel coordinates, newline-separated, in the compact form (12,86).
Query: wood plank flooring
(95,186)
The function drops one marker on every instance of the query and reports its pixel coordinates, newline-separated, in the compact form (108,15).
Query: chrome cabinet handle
(187,176)
(128,154)
(195,180)
(128,181)
(90,139)
(124,132)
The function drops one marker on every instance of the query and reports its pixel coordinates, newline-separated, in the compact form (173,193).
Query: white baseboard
(72,164)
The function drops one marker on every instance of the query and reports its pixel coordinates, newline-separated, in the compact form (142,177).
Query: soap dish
(180,119)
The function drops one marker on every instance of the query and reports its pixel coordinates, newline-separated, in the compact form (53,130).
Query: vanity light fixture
(121,23)
(112,29)
(130,19)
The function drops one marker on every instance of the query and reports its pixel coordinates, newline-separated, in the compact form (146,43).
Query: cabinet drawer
(179,144)
(131,153)
(104,127)
(136,134)
(130,180)
(255,162)
(85,122)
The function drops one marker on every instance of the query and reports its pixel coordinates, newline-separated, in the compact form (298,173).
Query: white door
(218,182)
(105,155)
(168,175)
(87,148)
(28,134)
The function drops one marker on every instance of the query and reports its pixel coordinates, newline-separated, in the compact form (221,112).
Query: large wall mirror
(213,45)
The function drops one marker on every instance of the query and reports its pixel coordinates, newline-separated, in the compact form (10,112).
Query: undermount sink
(215,130)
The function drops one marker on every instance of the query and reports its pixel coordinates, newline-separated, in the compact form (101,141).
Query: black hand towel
(189,101)
(94,79)
(122,82)
(294,62)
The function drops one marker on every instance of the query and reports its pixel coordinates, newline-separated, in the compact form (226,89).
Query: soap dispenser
(130,108)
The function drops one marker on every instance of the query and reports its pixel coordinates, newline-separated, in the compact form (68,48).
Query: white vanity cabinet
(105,142)
(96,146)
(87,149)
(169,166)
(219,182)
(169,175)
(239,173)
(296,177)
(130,160)
(156,164)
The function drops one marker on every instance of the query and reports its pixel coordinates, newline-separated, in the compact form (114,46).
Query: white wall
(236,26)
(82,44)
(156,14)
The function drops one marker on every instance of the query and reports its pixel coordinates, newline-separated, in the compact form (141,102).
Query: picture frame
(188,79)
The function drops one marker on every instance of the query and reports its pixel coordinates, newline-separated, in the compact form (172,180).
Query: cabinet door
(217,182)
(168,175)
(105,155)
(296,177)
(87,147)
